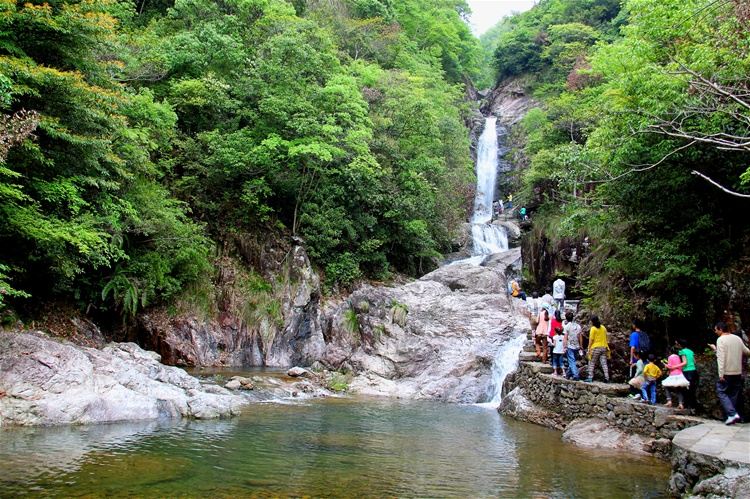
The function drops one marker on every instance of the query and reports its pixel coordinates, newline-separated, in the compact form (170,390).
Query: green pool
(346,447)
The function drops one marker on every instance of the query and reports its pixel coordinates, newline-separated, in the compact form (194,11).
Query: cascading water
(487,238)
(506,361)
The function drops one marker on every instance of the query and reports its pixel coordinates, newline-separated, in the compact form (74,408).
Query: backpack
(644,342)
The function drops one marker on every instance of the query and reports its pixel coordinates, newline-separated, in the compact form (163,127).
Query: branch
(728,191)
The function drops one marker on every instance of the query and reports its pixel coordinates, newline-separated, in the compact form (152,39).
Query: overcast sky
(486,13)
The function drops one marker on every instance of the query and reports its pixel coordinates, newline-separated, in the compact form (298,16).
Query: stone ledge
(727,443)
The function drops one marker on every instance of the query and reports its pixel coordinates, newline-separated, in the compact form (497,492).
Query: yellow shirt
(598,338)
(651,371)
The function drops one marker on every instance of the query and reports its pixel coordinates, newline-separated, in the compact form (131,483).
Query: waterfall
(505,362)
(487,238)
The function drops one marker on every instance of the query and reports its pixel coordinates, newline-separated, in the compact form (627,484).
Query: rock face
(45,382)
(294,336)
(433,338)
(508,102)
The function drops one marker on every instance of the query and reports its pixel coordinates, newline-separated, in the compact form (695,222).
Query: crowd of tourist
(561,341)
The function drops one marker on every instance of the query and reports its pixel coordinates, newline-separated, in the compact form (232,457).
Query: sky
(486,13)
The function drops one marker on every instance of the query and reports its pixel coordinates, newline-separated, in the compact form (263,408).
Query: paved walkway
(728,443)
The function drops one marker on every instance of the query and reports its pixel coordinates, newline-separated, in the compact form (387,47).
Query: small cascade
(487,238)
(506,361)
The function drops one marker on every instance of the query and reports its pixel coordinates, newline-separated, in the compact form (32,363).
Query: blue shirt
(635,340)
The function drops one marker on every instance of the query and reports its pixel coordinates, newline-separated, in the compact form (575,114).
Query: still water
(342,447)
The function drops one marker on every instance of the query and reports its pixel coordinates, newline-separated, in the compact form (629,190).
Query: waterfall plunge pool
(338,447)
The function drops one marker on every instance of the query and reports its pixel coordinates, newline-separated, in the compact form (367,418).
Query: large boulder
(433,338)
(47,382)
(517,406)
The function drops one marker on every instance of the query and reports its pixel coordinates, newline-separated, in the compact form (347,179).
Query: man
(558,293)
(729,352)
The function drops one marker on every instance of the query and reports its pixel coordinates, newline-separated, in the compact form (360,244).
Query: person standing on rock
(558,293)
(532,306)
(541,335)
(572,345)
(598,349)
(639,342)
(729,357)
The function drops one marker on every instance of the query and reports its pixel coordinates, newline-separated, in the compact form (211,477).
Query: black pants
(694,378)
(729,392)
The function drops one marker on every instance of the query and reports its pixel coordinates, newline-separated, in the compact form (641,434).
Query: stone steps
(529,347)
(538,367)
(527,357)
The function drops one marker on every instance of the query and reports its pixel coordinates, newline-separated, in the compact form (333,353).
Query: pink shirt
(673,361)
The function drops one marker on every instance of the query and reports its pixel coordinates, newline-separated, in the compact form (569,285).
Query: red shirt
(554,323)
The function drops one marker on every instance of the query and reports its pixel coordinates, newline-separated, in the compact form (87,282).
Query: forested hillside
(137,137)
(639,106)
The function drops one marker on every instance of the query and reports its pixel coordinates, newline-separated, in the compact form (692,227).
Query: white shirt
(532,304)
(558,339)
(558,289)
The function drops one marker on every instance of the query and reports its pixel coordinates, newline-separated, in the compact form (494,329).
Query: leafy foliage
(160,129)
(604,165)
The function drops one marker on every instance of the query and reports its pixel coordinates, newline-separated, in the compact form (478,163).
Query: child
(676,381)
(637,381)
(650,374)
(557,351)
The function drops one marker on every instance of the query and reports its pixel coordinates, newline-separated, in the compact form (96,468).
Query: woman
(598,348)
(540,337)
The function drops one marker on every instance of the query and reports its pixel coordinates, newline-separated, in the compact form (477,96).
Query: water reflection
(336,447)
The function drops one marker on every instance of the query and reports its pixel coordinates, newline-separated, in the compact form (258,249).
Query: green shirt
(689,357)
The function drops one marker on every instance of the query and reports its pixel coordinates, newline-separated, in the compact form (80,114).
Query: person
(638,342)
(532,306)
(516,291)
(598,349)
(554,324)
(572,345)
(522,213)
(510,201)
(675,382)
(540,336)
(558,349)
(650,374)
(690,371)
(636,382)
(558,292)
(729,352)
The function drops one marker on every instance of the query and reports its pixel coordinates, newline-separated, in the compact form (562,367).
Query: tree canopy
(141,135)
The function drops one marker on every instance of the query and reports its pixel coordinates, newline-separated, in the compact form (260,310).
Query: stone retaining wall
(577,399)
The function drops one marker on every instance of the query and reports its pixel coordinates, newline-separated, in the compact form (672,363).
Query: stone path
(728,443)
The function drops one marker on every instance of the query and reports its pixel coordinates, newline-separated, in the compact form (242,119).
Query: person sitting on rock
(675,382)
(540,335)
(651,373)
(598,349)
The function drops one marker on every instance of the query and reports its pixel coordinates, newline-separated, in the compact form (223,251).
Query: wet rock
(296,372)
(47,382)
(597,434)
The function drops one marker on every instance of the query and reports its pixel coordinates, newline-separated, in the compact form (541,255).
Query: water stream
(487,238)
